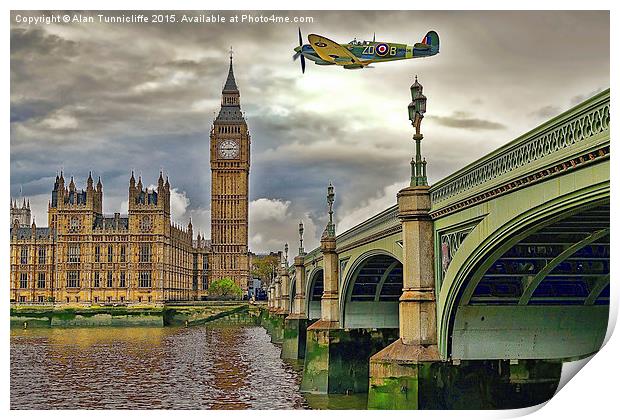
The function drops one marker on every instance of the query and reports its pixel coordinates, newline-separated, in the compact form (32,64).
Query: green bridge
(470,293)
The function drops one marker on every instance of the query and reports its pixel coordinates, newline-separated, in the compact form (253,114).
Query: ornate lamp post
(417,108)
(330,229)
(301,238)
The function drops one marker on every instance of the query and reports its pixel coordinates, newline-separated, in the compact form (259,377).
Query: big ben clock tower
(230,169)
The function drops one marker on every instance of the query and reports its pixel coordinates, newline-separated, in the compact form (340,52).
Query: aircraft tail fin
(431,38)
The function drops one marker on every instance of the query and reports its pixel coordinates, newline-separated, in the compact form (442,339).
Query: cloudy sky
(115,97)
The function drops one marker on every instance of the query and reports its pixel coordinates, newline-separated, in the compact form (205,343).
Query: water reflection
(217,367)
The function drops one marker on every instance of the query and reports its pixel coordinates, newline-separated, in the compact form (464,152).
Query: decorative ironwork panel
(529,149)
(450,243)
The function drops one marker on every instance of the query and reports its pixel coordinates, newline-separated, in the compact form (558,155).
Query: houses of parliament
(86,257)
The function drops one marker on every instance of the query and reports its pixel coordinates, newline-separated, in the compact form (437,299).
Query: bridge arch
(314,292)
(370,291)
(535,283)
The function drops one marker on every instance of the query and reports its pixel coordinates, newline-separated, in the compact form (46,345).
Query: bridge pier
(277,336)
(283,306)
(401,373)
(336,359)
(275,321)
(296,323)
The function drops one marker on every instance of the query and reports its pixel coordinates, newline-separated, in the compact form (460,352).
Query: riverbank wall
(131,316)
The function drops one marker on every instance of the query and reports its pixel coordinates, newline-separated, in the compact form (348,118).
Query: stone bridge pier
(296,323)
(401,372)
(336,358)
(274,318)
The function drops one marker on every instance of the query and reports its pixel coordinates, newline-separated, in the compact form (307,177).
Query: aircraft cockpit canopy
(356,42)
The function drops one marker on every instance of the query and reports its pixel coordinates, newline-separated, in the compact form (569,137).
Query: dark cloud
(466,121)
(34,42)
(30,109)
(546,111)
(577,99)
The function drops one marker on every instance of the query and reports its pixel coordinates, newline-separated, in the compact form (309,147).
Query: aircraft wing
(332,52)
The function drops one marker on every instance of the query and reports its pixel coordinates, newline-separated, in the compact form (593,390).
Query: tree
(225,288)
(264,266)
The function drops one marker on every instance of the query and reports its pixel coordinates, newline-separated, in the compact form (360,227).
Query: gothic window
(24,256)
(109,279)
(205,282)
(73,279)
(40,299)
(41,281)
(145,223)
(205,263)
(42,254)
(97,253)
(145,279)
(122,280)
(145,252)
(123,253)
(96,282)
(74,224)
(23,280)
(110,253)
(74,253)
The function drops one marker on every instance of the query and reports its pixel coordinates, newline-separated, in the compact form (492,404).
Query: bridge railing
(569,130)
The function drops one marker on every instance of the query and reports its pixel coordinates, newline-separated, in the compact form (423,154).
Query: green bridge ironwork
(521,249)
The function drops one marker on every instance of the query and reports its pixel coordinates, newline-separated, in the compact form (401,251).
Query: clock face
(228,149)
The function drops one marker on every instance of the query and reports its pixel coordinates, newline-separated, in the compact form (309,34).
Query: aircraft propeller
(298,53)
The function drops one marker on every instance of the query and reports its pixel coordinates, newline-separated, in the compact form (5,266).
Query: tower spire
(230,110)
(231,85)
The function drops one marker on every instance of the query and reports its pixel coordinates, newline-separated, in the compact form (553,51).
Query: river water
(220,366)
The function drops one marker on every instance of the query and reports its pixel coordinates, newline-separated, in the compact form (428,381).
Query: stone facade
(20,214)
(85,257)
(230,170)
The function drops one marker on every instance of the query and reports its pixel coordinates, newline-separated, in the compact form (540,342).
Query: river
(224,365)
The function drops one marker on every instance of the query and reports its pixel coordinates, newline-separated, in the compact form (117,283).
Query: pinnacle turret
(89,181)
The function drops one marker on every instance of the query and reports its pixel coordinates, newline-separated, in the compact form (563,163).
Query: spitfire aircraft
(359,54)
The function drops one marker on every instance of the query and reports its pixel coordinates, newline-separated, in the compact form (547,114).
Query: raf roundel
(382,49)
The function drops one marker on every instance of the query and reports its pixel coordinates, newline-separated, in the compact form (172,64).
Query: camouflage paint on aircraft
(359,54)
